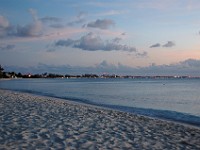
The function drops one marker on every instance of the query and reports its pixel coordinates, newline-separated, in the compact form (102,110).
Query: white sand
(36,122)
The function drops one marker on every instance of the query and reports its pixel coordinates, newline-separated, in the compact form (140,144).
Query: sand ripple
(35,122)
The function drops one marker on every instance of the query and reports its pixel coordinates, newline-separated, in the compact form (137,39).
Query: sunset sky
(140,37)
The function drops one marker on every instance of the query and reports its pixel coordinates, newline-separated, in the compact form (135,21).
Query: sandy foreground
(36,122)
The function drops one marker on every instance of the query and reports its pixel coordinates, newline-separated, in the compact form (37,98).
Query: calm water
(173,99)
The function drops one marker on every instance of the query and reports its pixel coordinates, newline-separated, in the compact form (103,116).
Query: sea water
(172,99)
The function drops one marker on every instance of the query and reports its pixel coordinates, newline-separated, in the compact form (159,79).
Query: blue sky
(122,36)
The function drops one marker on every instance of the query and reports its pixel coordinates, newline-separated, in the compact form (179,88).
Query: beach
(37,122)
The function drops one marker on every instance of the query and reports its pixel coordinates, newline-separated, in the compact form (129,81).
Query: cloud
(53,22)
(101,24)
(188,67)
(50,19)
(57,25)
(103,64)
(155,45)
(123,33)
(4,26)
(79,21)
(38,29)
(5,47)
(31,30)
(92,42)
(100,68)
(169,44)
(33,12)
(190,63)
(117,40)
(50,50)
(66,43)
(3,22)
(81,14)
(80,18)
(144,54)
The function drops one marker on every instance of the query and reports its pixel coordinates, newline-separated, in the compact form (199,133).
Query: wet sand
(37,122)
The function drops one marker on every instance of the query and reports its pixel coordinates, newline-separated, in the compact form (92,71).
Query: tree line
(13,74)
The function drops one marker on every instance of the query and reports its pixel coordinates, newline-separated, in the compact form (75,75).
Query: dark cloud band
(101,24)
(92,42)
(168,44)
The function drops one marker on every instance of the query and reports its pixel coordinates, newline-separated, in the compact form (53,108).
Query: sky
(140,37)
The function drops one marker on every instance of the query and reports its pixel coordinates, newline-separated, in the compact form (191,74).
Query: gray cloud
(5,47)
(80,18)
(4,26)
(79,21)
(50,19)
(33,12)
(32,29)
(92,42)
(57,25)
(117,40)
(169,44)
(66,43)
(101,24)
(144,54)
(3,22)
(103,64)
(155,45)
(53,22)
(81,14)
(29,30)
(123,33)
(192,63)
(50,50)
(188,67)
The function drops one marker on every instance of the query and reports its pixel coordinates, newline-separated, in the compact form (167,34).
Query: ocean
(170,99)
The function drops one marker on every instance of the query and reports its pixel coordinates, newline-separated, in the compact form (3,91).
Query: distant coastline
(12,75)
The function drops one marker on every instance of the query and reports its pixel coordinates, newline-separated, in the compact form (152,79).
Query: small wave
(161,114)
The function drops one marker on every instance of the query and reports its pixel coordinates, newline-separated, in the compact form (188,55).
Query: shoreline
(31,121)
(192,123)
